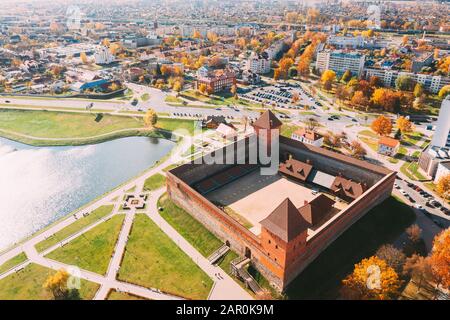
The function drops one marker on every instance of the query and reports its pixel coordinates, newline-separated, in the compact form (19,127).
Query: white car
(418,206)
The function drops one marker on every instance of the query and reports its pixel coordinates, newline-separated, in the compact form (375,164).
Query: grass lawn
(288,129)
(92,250)
(27,285)
(192,230)
(145,97)
(78,225)
(370,142)
(156,181)
(382,225)
(411,138)
(51,124)
(173,124)
(14,261)
(368,133)
(225,261)
(173,99)
(153,260)
(116,295)
(411,170)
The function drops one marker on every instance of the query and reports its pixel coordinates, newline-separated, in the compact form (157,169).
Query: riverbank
(51,128)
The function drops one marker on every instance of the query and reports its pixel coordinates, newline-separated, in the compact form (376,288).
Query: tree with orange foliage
(440,258)
(57,284)
(382,126)
(196,34)
(202,88)
(404,125)
(359,99)
(372,279)
(303,66)
(443,187)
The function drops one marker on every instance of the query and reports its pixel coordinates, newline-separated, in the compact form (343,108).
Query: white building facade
(340,62)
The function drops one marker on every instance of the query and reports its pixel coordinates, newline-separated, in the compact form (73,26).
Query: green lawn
(155,182)
(115,295)
(173,124)
(411,170)
(173,99)
(78,225)
(27,285)
(92,250)
(225,261)
(322,278)
(370,142)
(368,133)
(145,97)
(14,261)
(51,124)
(192,230)
(153,260)
(288,129)
(411,138)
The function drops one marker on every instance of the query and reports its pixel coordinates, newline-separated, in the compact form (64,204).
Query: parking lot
(425,202)
(281,96)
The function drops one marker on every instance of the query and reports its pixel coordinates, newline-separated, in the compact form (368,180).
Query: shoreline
(107,193)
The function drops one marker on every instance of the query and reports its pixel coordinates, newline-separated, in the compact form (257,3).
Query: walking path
(224,286)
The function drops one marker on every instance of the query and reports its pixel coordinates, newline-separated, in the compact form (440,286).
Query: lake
(39,185)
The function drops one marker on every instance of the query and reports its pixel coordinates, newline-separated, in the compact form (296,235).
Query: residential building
(346,41)
(439,149)
(308,136)
(216,80)
(443,170)
(340,61)
(430,82)
(258,63)
(103,56)
(423,60)
(388,146)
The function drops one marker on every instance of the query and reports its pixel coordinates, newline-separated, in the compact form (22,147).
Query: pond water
(39,185)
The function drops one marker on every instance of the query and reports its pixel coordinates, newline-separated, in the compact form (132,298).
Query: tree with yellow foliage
(303,66)
(440,258)
(404,125)
(444,92)
(372,279)
(84,58)
(57,284)
(202,88)
(150,118)
(382,126)
(443,187)
(327,79)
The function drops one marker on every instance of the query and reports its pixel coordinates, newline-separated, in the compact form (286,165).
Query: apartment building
(216,80)
(340,61)
(430,82)
(258,63)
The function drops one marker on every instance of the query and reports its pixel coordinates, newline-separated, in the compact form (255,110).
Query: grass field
(78,225)
(192,230)
(155,182)
(115,295)
(14,261)
(27,285)
(50,124)
(78,128)
(382,225)
(153,260)
(92,250)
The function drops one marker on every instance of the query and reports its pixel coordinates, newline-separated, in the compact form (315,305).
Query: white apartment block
(388,77)
(274,49)
(258,63)
(340,62)
(346,41)
(103,56)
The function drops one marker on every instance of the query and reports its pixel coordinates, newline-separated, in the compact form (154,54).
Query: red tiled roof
(390,142)
(316,209)
(267,121)
(308,134)
(285,221)
(348,188)
(296,169)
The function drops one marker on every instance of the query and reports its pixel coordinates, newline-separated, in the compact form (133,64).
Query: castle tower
(283,235)
(263,128)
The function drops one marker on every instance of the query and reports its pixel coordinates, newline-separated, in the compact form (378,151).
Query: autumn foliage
(372,279)
(382,125)
(440,258)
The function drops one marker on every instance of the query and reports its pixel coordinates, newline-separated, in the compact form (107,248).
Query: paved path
(225,287)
